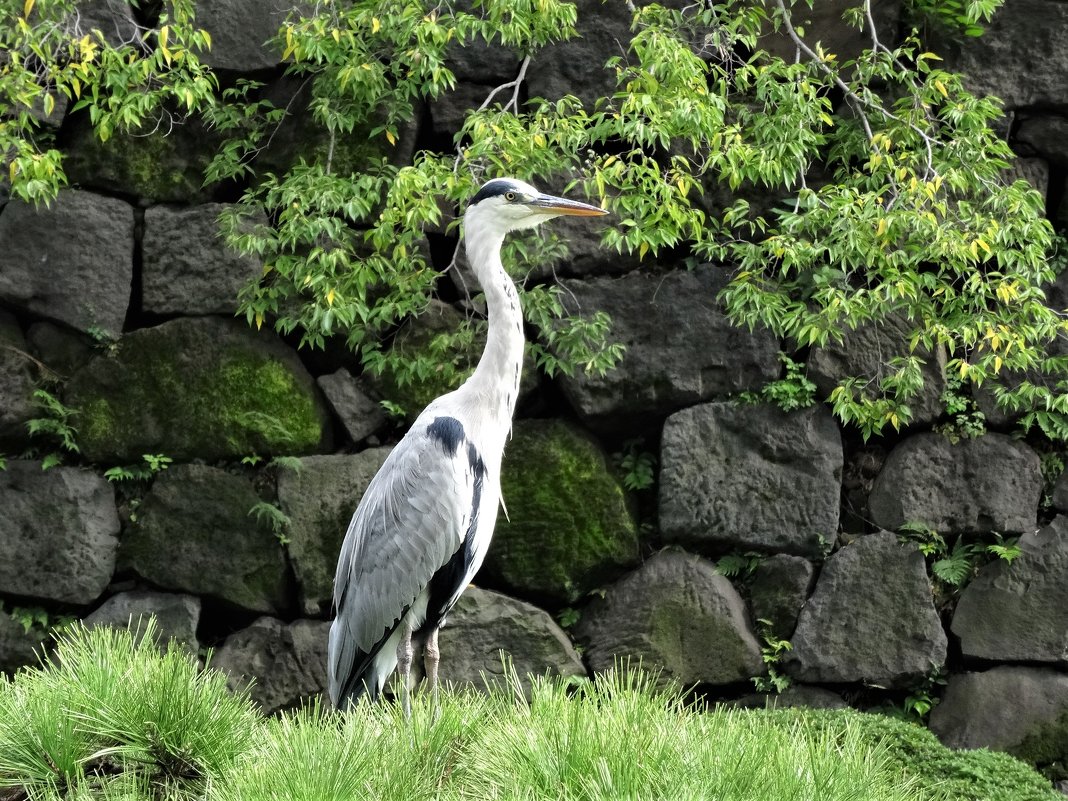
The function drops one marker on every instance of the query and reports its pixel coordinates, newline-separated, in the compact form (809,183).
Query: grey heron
(424,524)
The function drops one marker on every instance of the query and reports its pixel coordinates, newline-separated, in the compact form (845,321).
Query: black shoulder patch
(498,186)
(449,432)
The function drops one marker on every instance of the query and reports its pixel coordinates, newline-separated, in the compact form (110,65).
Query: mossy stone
(677,616)
(194,534)
(203,388)
(570,528)
(1046,747)
(166,166)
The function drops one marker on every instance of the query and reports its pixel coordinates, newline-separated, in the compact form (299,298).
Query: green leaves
(54,427)
(141,85)
(952,568)
(842,190)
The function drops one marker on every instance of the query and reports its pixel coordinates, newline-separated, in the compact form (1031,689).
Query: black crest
(498,186)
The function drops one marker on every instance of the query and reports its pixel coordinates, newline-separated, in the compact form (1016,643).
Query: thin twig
(513,105)
(855,100)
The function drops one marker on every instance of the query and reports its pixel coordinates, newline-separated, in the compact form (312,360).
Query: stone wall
(120,298)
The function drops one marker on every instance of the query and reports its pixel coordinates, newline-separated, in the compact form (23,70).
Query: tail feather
(353,673)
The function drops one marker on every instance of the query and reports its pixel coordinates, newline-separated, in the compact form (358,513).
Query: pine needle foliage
(111,703)
(113,716)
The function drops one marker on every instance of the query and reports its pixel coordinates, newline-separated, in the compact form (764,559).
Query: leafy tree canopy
(885,174)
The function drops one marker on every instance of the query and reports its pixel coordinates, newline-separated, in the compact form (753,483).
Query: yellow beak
(559,205)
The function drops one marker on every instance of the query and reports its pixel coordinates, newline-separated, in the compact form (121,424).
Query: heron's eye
(509,196)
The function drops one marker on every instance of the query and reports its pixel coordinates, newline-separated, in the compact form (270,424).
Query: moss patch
(1047,748)
(161,166)
(194,388)
(194,534)
(676,633)
(570,529)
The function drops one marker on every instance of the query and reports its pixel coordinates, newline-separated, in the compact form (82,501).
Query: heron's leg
(431,657)
(404,669)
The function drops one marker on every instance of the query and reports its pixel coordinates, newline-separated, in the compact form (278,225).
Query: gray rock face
(1046,135)
(239,32)
(674,612)
(197,388)
(734,476)
(991,483)
(871,618)
(319,500)
(780,586)
(1060,493)
(680,347)
(490,65)
(72,262)
(61,350)
(1019,611)
(359,415)
(161,166)
(586,256)
(187,267)
(1021,40)
(287,662)
(866,352)
(576,67)
(113,18)
(824,23)
(177,616)
(1033,170)
(448,111)
(194,534)
(484,624)
(63,527)
(1006,709)
(16,385)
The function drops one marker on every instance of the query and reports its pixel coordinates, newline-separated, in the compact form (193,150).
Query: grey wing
(411,520)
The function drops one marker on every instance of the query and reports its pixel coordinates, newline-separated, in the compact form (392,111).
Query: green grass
(113,717)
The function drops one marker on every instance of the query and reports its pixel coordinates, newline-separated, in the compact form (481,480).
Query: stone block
(59,532)
(197,388)
(677,615)
(680,347)
(870,619)
(989,483)
(72,262)
(738,476)
(195,534)
(569,528)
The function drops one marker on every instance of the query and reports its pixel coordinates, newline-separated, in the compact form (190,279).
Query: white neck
(494,386)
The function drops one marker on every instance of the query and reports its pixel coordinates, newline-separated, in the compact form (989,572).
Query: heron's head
(508,204)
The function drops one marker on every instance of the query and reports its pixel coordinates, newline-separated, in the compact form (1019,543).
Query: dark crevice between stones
(134,309)
(219,619)
(1058,174)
